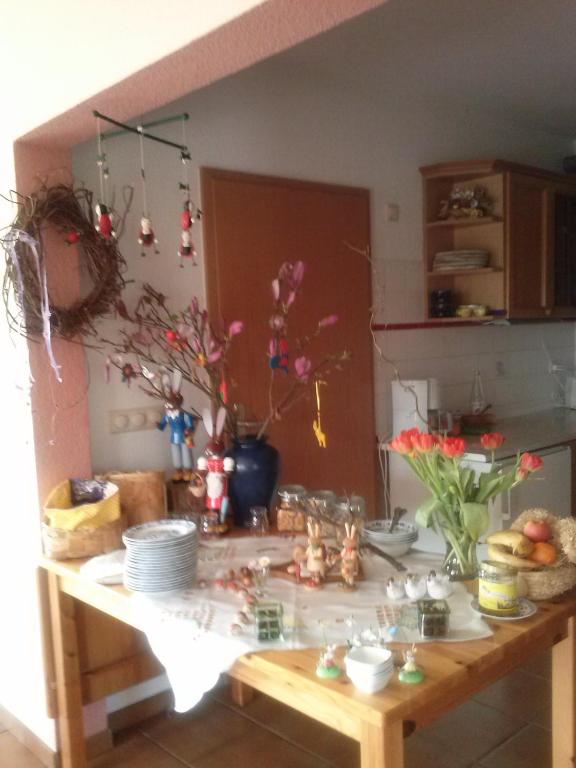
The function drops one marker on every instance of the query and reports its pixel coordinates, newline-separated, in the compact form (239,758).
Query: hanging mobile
(190,212)
(317,424)
(104,225)
(146,237)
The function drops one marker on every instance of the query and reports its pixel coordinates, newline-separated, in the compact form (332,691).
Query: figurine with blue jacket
(182,426)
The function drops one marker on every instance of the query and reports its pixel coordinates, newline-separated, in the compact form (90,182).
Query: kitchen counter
(533,432)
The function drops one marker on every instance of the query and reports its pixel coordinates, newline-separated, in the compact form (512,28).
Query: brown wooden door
(528,233)
(252,224)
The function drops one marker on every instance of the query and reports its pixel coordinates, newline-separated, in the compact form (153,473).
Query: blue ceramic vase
(252,484)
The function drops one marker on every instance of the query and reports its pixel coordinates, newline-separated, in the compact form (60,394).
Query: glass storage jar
(320,505)
(349,509)
(290,510)
(498,588)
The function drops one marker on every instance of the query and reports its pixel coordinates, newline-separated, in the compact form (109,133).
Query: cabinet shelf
(462,272)
(464,222)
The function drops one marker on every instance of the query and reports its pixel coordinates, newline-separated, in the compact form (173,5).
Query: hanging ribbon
(11,240)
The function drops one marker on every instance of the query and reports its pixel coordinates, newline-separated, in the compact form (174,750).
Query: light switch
(391,212)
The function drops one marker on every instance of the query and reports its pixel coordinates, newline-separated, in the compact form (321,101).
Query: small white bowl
(370,684)
(368,659)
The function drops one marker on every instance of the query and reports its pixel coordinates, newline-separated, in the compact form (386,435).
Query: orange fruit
(543,553)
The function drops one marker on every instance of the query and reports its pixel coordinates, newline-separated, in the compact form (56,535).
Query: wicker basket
(61,513)
(551,580)
(67,545)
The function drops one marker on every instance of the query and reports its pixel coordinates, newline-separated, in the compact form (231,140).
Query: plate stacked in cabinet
(161,556)
(448,261)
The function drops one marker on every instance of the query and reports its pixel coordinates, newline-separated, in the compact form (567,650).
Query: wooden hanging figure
(146,237)
(182,427)
(317,424)
(104,216)
(190,212)
(187,249)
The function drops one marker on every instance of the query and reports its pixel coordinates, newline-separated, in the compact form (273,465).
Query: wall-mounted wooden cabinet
(530,235)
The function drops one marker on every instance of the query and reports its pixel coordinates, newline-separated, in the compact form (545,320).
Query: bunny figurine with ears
(349,555)
(214,467)
(182,426)
(316,554)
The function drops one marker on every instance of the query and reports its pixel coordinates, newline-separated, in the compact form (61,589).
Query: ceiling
(516,58)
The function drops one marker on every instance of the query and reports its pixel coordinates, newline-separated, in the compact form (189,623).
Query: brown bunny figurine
(350,556)
(316,554)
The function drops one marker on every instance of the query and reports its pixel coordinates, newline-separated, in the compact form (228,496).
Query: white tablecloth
(190,631)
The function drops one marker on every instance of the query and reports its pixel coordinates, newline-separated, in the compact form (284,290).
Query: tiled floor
(506,726)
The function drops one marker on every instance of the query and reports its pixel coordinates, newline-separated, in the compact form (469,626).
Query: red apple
(537,530)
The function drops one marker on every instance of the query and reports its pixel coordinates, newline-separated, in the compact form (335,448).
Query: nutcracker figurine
(211,478)
(182,427)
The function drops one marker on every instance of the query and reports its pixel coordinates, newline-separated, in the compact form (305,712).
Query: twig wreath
(68,212)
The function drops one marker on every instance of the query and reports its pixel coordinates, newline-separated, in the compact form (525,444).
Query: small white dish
(370,684)
(526,608)
(439,585)
(395,589)
(415,586)
(368,659)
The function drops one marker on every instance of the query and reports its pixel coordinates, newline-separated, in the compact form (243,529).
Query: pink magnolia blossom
(213,357)
(276,289)
(142,336)
(185,331)
(302,366)
(291,298)
(194,306)
(235,328)
(298,272)
(326,321)
(277,322)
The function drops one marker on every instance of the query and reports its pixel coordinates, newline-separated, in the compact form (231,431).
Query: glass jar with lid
(320,505)
(349,509)
(290,509)
(498,588)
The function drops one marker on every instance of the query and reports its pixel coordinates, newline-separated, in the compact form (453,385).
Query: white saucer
(525,608)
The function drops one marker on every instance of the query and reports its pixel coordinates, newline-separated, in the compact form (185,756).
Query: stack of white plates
(369,667)
(445,261)
(161,556)
(397,543)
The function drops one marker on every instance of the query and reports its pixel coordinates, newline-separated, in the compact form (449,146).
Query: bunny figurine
(349,556)
(316,554)
(214,469)
(182,426)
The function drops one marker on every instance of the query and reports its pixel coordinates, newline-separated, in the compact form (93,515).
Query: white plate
(525,608)
(160,530)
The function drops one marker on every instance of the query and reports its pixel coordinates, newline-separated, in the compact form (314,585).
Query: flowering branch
(159,340)
(303,373)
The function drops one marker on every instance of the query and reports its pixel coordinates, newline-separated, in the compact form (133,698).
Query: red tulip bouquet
(458,507)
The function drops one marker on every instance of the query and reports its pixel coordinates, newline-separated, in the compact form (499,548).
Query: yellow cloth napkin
(61,514)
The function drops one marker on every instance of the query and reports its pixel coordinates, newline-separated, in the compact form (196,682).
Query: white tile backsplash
(513,362)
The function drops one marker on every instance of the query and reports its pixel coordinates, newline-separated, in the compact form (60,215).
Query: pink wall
(59,410)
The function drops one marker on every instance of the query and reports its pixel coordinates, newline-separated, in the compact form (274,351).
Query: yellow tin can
(498,588)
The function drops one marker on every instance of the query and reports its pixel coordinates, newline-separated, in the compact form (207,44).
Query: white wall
(277,118)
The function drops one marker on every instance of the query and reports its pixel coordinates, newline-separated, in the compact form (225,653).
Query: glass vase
(460,562)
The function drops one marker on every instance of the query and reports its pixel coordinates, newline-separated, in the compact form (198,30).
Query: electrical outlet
(134,419)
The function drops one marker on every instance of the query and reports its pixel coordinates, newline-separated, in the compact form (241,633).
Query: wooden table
(454,672)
